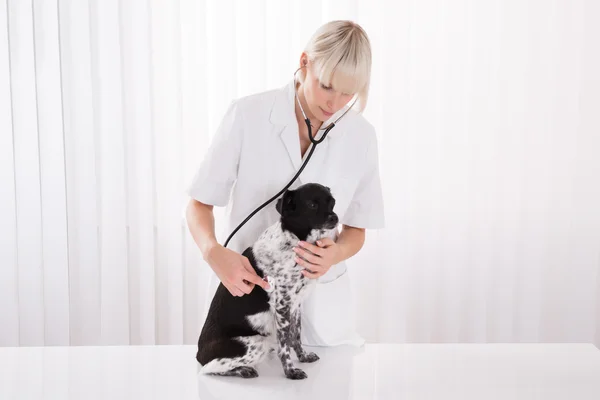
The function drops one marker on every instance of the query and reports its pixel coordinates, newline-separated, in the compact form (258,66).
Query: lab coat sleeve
(366,207)
(217,173)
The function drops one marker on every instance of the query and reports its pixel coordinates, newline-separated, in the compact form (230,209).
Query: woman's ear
(303,60)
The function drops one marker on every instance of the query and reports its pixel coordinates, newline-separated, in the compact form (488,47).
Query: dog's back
(227,318)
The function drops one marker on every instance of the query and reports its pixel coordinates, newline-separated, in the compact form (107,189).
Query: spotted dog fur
(240,331)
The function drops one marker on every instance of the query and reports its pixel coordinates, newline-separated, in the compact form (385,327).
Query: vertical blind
(487,114)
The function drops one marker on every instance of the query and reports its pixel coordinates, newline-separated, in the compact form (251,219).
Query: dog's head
(310,206)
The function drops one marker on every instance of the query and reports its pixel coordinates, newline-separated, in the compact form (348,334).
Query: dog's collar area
(271,284)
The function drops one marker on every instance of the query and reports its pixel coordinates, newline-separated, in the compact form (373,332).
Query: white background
(488,120)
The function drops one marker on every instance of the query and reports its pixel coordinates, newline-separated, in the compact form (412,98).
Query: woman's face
(322,101)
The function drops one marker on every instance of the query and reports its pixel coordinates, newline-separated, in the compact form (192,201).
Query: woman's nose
(334,101)
(331,101)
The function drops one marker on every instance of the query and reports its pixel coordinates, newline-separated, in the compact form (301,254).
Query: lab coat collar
(284,122)
(282,112)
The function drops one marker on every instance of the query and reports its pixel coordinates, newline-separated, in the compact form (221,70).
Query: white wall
(488,118)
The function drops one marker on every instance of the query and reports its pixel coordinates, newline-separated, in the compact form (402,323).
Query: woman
(259,147)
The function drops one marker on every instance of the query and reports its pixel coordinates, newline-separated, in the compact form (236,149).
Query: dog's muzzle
(332,221)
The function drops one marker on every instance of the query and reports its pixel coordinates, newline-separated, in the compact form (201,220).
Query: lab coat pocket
(328,315)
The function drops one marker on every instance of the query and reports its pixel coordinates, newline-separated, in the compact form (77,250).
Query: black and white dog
(240,331)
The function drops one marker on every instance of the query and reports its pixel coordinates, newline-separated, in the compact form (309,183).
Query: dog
(240,331)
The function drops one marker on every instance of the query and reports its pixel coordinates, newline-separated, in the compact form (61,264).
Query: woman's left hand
(317,259)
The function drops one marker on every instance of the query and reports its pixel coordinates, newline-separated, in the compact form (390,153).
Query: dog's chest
(284,300)
(275,256)
(288,284)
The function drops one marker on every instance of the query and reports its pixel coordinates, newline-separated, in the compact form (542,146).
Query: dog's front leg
(303,356)
(285,325)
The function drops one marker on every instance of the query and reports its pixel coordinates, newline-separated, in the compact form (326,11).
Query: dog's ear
(278,206)
(286,202)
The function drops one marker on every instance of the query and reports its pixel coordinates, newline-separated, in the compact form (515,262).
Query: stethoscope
(313,147)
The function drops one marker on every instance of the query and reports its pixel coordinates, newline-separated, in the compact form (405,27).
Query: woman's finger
(234,291)
(325,242)
(308,256)
(311,248)
(310,275)
(308,265)
(314,269)
(245,286)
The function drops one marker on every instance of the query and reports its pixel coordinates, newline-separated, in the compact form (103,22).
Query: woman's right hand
(234,270)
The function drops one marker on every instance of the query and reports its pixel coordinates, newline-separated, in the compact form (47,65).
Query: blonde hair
(341,55)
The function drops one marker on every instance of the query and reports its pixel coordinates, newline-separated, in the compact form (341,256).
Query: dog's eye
(312,205)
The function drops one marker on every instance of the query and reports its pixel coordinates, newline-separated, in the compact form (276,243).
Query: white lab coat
(255,153)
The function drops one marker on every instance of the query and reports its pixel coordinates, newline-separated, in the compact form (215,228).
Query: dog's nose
(333,218)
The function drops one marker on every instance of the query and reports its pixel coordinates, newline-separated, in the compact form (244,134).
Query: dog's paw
(246,372)
(308,358)
(295,373)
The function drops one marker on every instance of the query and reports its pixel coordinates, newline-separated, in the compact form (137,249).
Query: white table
(377,371)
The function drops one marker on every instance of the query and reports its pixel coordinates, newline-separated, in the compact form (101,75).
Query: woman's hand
(234,270)
(317,259)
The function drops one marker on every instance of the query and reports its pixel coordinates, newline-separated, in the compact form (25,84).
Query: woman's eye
(326,87)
